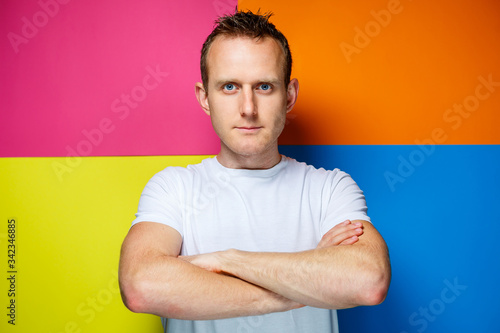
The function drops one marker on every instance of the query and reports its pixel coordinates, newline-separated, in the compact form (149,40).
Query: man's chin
(249,151)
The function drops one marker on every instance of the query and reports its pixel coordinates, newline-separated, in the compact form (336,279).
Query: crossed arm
(349,267)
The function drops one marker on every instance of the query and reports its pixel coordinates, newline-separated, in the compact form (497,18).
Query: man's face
(247,97)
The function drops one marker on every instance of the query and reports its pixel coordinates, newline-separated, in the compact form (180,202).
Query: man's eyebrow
(272,81)
(223,81)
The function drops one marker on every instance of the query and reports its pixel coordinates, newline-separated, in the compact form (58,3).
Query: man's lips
(248,128)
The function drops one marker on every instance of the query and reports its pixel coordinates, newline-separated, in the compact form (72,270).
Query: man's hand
(345,233)
(208,261)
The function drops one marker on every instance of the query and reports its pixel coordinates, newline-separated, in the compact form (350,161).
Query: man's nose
(248,105)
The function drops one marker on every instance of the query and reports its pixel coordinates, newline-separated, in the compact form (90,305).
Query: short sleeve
(159,201)
(344,200)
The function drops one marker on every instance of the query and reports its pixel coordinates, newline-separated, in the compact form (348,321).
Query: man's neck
(252,162)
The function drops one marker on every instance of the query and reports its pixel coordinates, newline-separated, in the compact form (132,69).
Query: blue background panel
(436,207)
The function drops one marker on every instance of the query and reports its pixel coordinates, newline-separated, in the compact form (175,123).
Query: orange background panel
(409,71)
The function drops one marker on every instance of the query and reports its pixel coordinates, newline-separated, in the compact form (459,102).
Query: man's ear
(292,92)
(202,97)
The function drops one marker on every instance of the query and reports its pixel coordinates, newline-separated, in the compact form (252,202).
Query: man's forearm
(329,277)
(176,289)
(326,278)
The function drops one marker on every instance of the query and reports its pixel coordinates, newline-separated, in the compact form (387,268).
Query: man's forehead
(226,38)
(232,42)
(224,48)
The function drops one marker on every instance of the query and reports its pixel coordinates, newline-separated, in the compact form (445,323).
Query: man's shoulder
(183,174)
(204,164)
(317,177)
(298,166)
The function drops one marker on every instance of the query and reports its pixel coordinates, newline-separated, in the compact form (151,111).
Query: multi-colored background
(97,96)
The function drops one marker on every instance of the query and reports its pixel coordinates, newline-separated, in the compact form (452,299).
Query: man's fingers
(348,234)
(350,241)
(344,233)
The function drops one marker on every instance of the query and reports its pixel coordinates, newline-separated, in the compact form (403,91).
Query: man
(251,240)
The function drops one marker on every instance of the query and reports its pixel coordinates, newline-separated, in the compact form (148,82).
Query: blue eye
(229,86)
(265,86)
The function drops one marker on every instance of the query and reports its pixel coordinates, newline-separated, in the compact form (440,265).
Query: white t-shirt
(287,208)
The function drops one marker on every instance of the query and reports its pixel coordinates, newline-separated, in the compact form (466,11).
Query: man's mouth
(248,129)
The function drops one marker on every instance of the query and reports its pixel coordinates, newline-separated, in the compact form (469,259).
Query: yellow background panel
(69,229)
(387,71)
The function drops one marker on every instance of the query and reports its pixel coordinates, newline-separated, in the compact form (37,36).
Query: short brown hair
(245,24)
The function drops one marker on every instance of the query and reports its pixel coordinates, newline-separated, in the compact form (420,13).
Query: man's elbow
(375,295)
(133,294)
(376,287)
(138,296)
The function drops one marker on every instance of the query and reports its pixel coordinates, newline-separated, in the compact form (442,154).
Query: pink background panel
(94,78)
